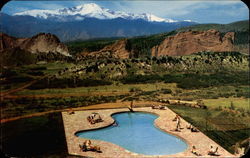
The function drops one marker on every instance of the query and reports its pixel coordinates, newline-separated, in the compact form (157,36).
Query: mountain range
(84,22)
(91,10)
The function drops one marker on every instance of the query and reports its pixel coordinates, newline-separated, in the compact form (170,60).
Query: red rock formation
(9,42)
(39,43)
(116,50)
(185,43)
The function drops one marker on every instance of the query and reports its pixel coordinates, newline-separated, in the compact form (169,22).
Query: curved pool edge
(74,124)
(155,125)
(169,132)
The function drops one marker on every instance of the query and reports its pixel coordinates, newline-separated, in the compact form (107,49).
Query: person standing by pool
(213,151)
(178,125)
(131,106)
(88,144)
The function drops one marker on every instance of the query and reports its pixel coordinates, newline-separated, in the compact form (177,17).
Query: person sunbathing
(194,151)
(213,152)
(98,119)
(85,145)
(162,107)
(158,107)
(96,148)
(92,116)
(71,111)
(88,147)
(155,107)
(90,119)
(189,126)
(194,129)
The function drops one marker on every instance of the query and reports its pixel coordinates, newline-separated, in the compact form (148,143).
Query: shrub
(194,81)
(232,107)
(36,73)
(133,79)
(166,91)
(135,89)
(219,108)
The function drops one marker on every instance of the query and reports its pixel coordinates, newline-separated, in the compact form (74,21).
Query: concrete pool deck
(76,122)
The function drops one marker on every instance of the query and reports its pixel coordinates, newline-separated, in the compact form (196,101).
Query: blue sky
(202,11)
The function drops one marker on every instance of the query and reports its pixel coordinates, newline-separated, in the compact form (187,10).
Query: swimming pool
(136,132)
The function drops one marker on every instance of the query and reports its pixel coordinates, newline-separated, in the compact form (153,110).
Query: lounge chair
(158,107)
(154,107)
(162,107)
(97,118)
(83,147)
(95,148)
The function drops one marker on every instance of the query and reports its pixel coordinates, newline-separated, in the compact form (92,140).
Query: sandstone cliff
(7,42)
(189,42)
(116,50)
(41,43)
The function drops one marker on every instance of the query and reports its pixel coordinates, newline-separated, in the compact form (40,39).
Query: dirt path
(3,94)
(90,107)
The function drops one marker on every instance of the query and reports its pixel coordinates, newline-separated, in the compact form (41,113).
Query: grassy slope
(220,131)
(21,75)
(235,26)
(226,102)
(100,89)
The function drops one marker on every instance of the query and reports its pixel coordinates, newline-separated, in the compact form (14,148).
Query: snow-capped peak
(153,18)
(90,10)
(83,9)
(37,13)
(188,20)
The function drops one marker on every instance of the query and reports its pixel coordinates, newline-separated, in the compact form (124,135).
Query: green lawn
(226,102)
(223,127)
(51,68)
(96,89)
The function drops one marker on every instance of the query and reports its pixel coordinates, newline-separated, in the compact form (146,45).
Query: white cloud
(159,8)
(47,6)
(234,12)
(171,9)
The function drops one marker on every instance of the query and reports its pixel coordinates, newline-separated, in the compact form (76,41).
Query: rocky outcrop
(41,43)
(7,42)
(116,50)
(189,42)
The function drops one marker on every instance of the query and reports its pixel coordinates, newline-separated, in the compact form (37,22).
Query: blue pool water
(136,132)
